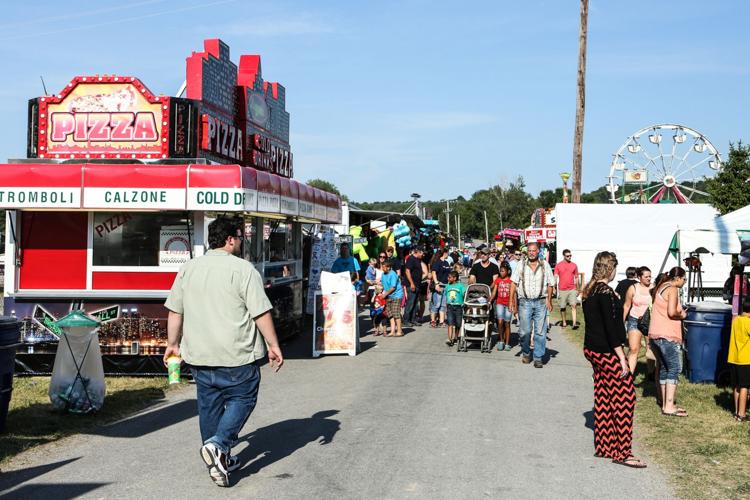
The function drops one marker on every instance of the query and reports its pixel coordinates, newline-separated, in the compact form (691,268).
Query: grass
(706,453)
(33,421)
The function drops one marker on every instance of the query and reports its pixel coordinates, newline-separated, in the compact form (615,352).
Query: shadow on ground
(269,444)
(148,422)
(13,478)
(58,491)
(725,399)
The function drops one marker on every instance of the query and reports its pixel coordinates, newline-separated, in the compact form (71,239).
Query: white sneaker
(233,464)
(216,460)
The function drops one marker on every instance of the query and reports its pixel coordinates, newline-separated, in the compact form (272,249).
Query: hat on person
(483,250)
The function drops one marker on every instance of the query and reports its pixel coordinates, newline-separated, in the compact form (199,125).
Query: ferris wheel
(651,168)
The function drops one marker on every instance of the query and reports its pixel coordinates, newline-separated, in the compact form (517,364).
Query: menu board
(324,253)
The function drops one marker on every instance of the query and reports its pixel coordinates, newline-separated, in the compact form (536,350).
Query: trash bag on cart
(77,384)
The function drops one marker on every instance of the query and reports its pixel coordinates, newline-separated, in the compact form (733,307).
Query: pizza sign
(103,117)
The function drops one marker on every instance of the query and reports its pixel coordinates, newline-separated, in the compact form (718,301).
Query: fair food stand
(116,193)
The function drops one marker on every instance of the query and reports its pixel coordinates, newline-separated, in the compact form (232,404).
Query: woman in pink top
(665,332)
(637,301)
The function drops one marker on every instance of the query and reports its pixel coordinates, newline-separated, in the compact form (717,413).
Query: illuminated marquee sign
(239,109)
(267,155)
(221,138)
(102,117)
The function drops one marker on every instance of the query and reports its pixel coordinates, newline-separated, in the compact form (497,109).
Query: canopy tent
(712,240)
(738,220)
(639,235)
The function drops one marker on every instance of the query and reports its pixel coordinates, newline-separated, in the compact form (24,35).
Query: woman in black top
(614,393)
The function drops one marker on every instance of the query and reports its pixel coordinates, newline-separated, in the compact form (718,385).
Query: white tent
(714,246)
(639,234)
(735,221)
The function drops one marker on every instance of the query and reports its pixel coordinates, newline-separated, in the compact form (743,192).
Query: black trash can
(10,336)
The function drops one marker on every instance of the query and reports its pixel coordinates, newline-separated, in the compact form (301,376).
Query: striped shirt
(532,284)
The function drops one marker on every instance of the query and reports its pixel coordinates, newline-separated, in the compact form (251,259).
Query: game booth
(116,193)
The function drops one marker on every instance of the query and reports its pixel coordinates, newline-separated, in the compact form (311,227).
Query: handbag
(644,321)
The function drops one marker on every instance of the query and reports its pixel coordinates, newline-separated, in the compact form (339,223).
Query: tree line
(510,205)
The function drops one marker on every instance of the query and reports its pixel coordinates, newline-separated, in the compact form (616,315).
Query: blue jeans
(226,398)
(533,311)
(410,308)
(670,360)
(437,303)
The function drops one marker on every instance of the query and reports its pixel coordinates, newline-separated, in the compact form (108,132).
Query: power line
(117,21)
(76,15)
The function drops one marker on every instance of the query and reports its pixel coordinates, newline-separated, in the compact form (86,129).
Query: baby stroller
(475,326)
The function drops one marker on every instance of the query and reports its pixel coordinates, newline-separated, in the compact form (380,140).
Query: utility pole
(486,229)
(459,231)
(448,216)
(580,103)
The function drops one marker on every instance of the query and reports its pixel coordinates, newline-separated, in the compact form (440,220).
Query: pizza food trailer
(116,193)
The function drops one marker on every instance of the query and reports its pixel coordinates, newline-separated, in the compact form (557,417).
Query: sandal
(741,418)
(630,462)
(679,412)
(433,324)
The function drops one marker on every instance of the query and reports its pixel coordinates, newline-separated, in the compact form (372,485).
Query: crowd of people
(618,320)
(399,290)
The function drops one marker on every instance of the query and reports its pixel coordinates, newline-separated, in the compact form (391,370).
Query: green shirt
(454,293)
(218,295)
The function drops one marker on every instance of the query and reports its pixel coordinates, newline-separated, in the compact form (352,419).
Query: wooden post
(580,103)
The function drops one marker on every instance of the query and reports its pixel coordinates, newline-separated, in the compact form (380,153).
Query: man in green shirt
(217,308)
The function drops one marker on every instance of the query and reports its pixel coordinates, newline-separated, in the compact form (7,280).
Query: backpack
(728,289)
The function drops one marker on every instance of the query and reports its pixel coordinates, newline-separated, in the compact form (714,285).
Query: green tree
(326,186)
(728,188)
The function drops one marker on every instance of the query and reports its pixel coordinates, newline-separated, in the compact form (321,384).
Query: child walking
(501,292)
(377,310)
(454,298)
(739,361)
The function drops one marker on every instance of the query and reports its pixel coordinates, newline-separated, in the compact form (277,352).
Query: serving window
(140,239)
(282,249)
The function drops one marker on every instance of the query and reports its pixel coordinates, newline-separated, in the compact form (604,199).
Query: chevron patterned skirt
(614,402)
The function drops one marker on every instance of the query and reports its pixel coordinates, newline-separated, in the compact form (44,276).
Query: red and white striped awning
(224,188)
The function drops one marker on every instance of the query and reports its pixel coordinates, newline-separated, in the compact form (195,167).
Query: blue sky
(392,97)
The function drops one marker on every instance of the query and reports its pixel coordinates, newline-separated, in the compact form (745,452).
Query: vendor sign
(335,324)
(534,235)
(143,187)
(289,201)
(321,204)
(222,188)
(306,201)
(269,197)
(102,117)
(174,246)
(29,197)
(40,186)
